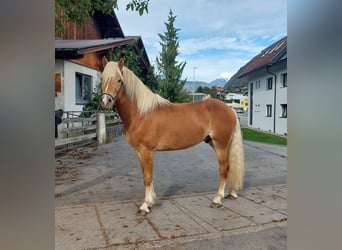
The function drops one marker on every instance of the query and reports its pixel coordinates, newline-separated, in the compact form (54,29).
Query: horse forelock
(109,72)
(145,99)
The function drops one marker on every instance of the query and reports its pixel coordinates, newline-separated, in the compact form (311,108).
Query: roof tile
(267,56)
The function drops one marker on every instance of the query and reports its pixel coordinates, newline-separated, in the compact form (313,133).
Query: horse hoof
(142,212)
(231,197)
(215,205)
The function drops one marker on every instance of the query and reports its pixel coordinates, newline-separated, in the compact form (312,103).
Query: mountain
(235,81)
(190,85)
(220,82)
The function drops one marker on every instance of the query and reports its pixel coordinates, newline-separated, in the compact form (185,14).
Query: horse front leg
(146,161)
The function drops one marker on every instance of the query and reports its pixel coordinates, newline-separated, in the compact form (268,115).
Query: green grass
(258,136)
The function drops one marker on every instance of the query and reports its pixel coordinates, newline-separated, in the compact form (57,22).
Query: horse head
(112,80)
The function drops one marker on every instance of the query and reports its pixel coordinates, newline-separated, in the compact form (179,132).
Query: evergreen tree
(207,90)
(199,89)
(151,80)
(170,70)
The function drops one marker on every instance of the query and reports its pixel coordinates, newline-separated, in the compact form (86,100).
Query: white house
(78,83)
(266,75)
(78,54)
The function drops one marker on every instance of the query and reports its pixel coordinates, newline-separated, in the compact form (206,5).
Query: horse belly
(181,137)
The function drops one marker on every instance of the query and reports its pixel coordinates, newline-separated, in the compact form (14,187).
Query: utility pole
(193,84)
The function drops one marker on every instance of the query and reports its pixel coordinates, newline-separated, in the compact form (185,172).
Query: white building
(266,75)
(78,54)
(78,69)
(237,101)
(77,85)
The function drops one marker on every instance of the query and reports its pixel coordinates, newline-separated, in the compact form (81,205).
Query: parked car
(240,111)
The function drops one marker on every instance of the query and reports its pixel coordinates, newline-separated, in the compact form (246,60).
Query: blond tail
(236,160)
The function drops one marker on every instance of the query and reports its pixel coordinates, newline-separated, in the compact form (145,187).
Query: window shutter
(58,83)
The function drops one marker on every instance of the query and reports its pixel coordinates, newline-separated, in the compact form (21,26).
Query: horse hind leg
(222,156)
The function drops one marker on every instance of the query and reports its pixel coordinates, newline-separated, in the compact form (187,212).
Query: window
(284,80)
(269,83)
(83,88)
(283,110)
(269,110)
(257,84)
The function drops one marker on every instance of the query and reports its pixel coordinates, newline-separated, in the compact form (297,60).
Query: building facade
(266,75)
(78,54)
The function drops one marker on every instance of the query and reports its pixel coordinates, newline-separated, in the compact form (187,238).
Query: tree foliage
(169,69)
(207,90)
(132,61)
(127,53)
(81,11)
(151,80)
(138,5)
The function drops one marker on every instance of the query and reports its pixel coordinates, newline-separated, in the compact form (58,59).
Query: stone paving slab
(279,190)
(122,225)
(170,222)
(175,220)
(218,219)
(258,213)
(268,199)
(77,228)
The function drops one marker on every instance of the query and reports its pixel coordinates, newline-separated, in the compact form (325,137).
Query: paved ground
(99,190)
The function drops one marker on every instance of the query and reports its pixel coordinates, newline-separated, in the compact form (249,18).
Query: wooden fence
(83,128)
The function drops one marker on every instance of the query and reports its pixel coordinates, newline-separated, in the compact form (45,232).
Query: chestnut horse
(152,123)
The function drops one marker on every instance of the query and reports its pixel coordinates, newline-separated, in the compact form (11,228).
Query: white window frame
(283,110)
(83,88)
(284,80)
(269,83)
(268,110)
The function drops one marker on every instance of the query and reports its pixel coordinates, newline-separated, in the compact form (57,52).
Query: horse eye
(119,81)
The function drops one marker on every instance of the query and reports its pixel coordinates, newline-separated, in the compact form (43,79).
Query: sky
(216,37)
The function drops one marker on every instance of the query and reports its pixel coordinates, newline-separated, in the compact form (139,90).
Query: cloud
(210,68)
(226,75)
(216,36)
(197,45)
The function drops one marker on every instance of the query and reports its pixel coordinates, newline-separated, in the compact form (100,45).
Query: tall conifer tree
(169,69)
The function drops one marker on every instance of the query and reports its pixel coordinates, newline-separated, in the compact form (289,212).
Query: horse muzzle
(107,100)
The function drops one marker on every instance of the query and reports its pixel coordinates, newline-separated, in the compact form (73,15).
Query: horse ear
(121,64)
(104,61)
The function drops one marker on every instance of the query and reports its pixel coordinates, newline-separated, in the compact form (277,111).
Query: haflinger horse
(153,123)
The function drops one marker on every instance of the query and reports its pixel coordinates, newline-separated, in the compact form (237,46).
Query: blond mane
(135,89)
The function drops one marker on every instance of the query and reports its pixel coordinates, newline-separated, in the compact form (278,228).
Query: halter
(111,96)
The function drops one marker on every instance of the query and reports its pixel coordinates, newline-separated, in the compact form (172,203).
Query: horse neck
(126,108)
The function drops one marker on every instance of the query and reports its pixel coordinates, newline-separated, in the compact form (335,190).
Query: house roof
(108,24)
(76,48)
(235,81)
(268,56)
(111,36)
